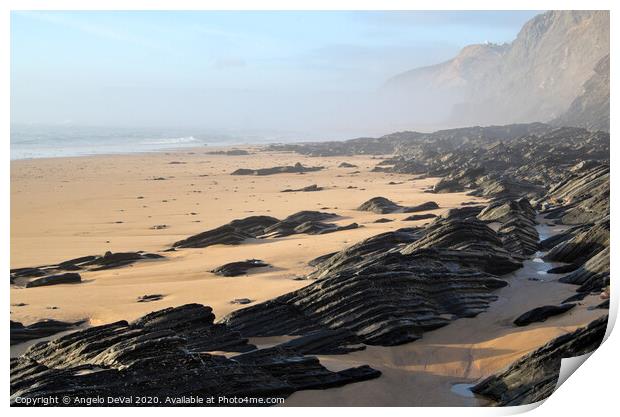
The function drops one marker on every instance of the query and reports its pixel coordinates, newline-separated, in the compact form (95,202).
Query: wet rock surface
(541,314)
(534,377)
(166,354)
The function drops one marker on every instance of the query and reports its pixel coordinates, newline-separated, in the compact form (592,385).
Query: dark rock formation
(165,354)
(320,259)
(232,233)
(429,205)
(582,199)
(593,275)
(149,297)
(40,329)
(289,169)
(582,196)
(319,228)
(391,288)
(415,217)
(309,188)
(264,227)
(367,249)
(241,301)
(383,220)
(66,278)
(289,225)
(328,342)
(380,205)
(583,246)
(534,377)
(115,260)
(346,165)
(234,269)
(541,314)
(57,273)
(518,225)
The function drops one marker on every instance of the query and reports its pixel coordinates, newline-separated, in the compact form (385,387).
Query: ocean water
(37,141)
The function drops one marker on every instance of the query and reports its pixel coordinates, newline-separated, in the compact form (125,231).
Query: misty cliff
(540,76)
(591,108)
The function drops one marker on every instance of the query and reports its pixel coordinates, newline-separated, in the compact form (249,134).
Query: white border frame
(591,391)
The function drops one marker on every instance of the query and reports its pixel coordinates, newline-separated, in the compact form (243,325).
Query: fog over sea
(48,141)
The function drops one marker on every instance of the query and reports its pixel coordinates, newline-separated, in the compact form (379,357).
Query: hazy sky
(306,71)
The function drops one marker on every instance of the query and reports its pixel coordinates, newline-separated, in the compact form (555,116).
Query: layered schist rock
(233,233)
(496,162)
(298,168)
(263,227)
(309,188)
(40,329)
(391,288)
(593,275)
(66,272)
(165,354)
(534,377)
(518,225)
(582,200)
(382,205)
(582,197)
(234,269)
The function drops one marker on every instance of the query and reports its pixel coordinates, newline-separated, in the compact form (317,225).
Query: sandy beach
(63,208)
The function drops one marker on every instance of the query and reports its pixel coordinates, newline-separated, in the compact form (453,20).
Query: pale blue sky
(225,69)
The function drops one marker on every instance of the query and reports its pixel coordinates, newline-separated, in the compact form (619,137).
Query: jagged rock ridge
(165,354)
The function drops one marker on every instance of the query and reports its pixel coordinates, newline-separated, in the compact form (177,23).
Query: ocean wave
(169,141)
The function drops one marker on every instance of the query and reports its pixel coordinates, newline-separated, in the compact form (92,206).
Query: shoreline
(175,150)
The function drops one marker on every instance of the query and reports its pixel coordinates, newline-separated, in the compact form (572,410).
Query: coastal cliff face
(556,58)
(590,109)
